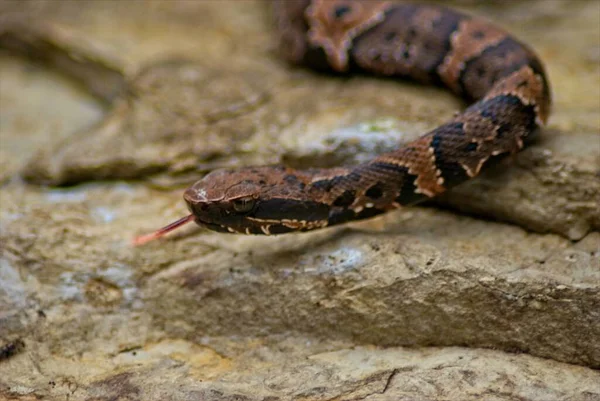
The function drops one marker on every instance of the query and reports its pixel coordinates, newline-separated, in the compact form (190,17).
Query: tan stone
(421,304)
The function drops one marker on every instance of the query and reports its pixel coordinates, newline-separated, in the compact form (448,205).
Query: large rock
(425,278)
(486,310)
(295,370)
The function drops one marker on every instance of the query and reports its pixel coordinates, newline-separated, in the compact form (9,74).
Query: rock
(420,304)
(360,373)
(423,278)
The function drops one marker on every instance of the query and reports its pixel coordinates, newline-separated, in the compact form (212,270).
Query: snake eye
(243,205)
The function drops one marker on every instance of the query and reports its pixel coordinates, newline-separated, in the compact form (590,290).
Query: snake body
(502,78)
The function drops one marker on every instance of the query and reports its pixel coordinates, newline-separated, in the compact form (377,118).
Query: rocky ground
(491,293)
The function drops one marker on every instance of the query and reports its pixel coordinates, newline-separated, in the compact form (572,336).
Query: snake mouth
(222,228)
(253,226)
(212,226)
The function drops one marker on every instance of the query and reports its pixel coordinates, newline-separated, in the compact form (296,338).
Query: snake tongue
(142,239)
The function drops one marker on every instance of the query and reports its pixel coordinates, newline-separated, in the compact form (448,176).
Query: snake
(502,80)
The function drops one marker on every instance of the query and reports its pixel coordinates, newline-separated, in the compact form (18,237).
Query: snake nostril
(197,208)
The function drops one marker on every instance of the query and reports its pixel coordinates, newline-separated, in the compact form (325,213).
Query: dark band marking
(412,41)
(507,112)
(464,47)
(448,162)
(495,62)
(345,199)
(376,191)
(408,192)
(528,87)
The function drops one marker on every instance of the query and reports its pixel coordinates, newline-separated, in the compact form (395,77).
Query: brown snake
(432,44)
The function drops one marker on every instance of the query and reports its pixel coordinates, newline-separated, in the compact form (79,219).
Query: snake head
(263,200)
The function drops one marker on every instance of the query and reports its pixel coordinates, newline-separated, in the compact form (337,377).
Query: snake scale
(501,77)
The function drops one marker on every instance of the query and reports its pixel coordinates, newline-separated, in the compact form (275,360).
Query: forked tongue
(142,239)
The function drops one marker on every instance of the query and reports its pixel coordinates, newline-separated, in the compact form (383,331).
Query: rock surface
(421,304)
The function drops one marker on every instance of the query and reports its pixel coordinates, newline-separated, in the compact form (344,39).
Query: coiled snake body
(428,43)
